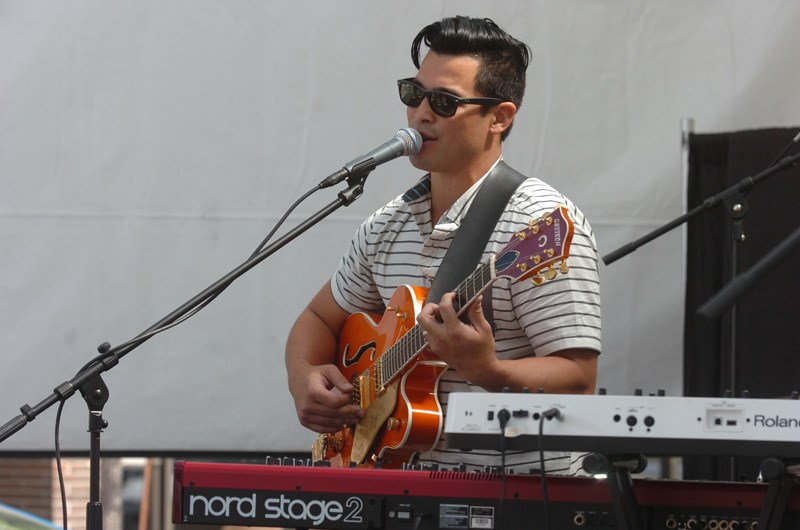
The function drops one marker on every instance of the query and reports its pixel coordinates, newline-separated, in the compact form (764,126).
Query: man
(546,337)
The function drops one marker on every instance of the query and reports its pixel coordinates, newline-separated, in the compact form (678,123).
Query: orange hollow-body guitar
(396,377)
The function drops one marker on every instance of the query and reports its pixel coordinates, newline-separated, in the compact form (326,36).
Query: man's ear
(503,116)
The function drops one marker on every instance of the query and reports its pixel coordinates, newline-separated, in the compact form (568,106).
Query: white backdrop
(147,147)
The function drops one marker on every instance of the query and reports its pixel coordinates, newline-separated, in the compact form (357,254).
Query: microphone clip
(355,180)
(355,174)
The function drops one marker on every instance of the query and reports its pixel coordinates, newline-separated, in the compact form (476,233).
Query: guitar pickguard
(373,422)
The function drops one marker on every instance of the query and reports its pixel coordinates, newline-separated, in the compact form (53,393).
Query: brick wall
(31,484)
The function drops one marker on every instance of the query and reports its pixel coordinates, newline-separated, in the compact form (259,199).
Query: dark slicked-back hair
(503,59)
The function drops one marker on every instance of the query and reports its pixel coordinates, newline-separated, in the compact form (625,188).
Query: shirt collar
(422,190)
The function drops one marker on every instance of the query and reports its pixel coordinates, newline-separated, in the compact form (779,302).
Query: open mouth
(427,138)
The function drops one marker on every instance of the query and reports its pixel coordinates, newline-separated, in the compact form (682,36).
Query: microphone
(406,142)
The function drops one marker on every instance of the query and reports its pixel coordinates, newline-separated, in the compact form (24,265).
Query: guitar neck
(475,284)
(410,345)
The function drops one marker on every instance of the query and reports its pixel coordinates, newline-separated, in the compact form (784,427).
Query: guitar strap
(467,247)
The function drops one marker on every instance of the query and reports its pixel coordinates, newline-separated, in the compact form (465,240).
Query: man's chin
(420,163)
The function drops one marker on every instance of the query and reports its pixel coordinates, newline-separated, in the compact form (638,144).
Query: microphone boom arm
(743,186)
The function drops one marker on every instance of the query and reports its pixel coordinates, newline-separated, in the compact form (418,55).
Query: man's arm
(571,371)
(469,349)
(321,393)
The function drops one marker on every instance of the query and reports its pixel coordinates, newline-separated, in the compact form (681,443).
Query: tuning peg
(563,267)
(550,273)
(537,280)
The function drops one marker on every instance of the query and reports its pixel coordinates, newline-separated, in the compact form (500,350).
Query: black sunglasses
(442,103)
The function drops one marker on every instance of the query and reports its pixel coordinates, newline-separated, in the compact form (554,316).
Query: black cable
(58,466)
(305,196)
(548,414)
(502,417)
(419,518)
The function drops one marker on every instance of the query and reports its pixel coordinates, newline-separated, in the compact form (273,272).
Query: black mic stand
(91,385)
(95,393)
(733,198)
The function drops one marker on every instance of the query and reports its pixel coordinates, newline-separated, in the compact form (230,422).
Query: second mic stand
(733,198)
(91,385)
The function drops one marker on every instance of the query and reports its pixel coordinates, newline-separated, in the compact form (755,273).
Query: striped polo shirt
(398,245)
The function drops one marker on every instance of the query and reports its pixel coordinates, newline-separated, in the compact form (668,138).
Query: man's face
(450,145)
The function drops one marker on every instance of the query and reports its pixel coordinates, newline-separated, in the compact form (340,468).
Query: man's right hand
(323,400)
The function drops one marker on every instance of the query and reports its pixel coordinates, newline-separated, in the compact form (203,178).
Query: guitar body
(403,417)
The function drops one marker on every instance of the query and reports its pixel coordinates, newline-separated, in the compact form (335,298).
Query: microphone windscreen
(412,140)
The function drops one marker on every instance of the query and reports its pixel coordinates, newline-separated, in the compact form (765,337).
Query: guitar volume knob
(402,315)
(392,424)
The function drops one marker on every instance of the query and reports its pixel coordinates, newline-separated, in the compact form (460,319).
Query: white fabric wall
(147,147)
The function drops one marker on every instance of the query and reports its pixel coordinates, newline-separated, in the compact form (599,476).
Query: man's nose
(423,112)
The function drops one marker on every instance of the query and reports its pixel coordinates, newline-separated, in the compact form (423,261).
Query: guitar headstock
(538,251)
